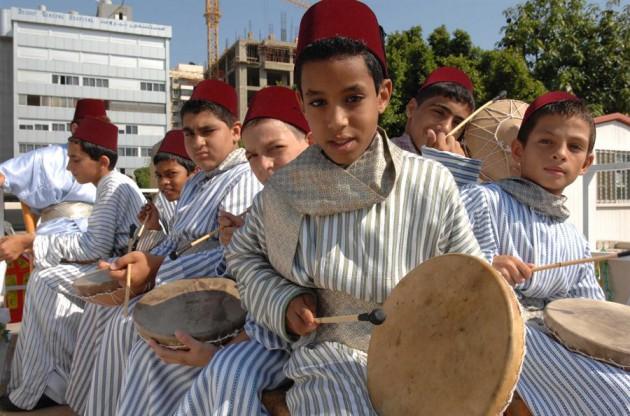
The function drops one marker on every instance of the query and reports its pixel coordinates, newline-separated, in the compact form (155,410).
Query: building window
(65,79)
(152,86)
(27,147)
(145,151)
(128,151)
(131,129)
(26,127)
(253,77)
(278,78)
(95,82)
(613,187)
(135,107)
(42,127)
(46,101)
(59,126)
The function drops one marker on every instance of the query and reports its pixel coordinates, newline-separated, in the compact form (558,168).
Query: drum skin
(595,328)
(452,344)
(98,288)
(209,309)
(489,135)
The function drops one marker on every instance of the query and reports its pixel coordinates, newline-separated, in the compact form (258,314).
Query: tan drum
(97,287)
(489,135)
(209,309)
(452,344)
(597,329)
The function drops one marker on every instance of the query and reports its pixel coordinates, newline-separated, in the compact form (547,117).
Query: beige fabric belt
(66,210)
(354,334)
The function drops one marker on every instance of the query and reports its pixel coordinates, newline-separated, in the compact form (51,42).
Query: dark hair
(188,164)
(339,47)
(449,90)
(569,108)
(94,151)
(197,106)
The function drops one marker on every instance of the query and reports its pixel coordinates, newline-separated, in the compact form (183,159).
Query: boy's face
(341,106)
(440,114)
(208,139)
(269,145)
(171,177)
(556,152)
(84,169)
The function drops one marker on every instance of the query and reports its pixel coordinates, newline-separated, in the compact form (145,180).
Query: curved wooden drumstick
(580,261)
(501,95)
(376,317)
(175,254)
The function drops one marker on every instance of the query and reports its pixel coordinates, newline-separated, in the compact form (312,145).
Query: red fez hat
(88,107)
(173,143)
(344,18)
(97,132)
(280,103)
(546,99)
(448,74)
(217,92)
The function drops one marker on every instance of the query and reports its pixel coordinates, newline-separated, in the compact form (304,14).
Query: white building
(184,78)
(48,60)
(600,201)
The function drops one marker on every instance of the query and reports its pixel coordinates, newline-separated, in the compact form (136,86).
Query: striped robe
(230,189)
(364,253)
(51,312)
(554,380)
(92,323)
(463,169)
(39,178)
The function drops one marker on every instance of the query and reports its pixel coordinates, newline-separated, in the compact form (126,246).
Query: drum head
(94,283)
(595,328)
(452,344)
(209,309)
(489,135)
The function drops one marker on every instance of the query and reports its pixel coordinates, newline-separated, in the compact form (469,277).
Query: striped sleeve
(99,239)
(457,235)
(479,214)
(464,170)
(264,292)
(245,187)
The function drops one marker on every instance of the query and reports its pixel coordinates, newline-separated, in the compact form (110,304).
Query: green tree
(573,45)
(410,60)
(143,177)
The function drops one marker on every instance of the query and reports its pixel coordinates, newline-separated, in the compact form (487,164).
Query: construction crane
(213,15)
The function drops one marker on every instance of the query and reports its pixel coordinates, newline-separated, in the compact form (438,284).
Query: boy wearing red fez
(124,364)
(521,222)
(173,167)
(274,133)
(335,230)
(49,329)
(443,101)
(40,180)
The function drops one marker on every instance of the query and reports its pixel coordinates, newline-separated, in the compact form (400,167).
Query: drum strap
(356,334)
(66,210)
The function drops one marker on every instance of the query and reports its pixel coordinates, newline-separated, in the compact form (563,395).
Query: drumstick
(501,95)
(175,254)
(137,236)
(127,289)
(580,261)
(376,317)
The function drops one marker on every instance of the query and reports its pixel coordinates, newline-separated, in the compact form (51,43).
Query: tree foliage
(576,46)
(143,177)
(546,45)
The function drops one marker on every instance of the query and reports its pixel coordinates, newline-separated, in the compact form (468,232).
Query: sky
(482,19)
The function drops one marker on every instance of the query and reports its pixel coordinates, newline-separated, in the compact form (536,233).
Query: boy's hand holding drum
(145,267)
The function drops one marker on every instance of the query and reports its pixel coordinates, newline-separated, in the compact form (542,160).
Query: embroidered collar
(536,197)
